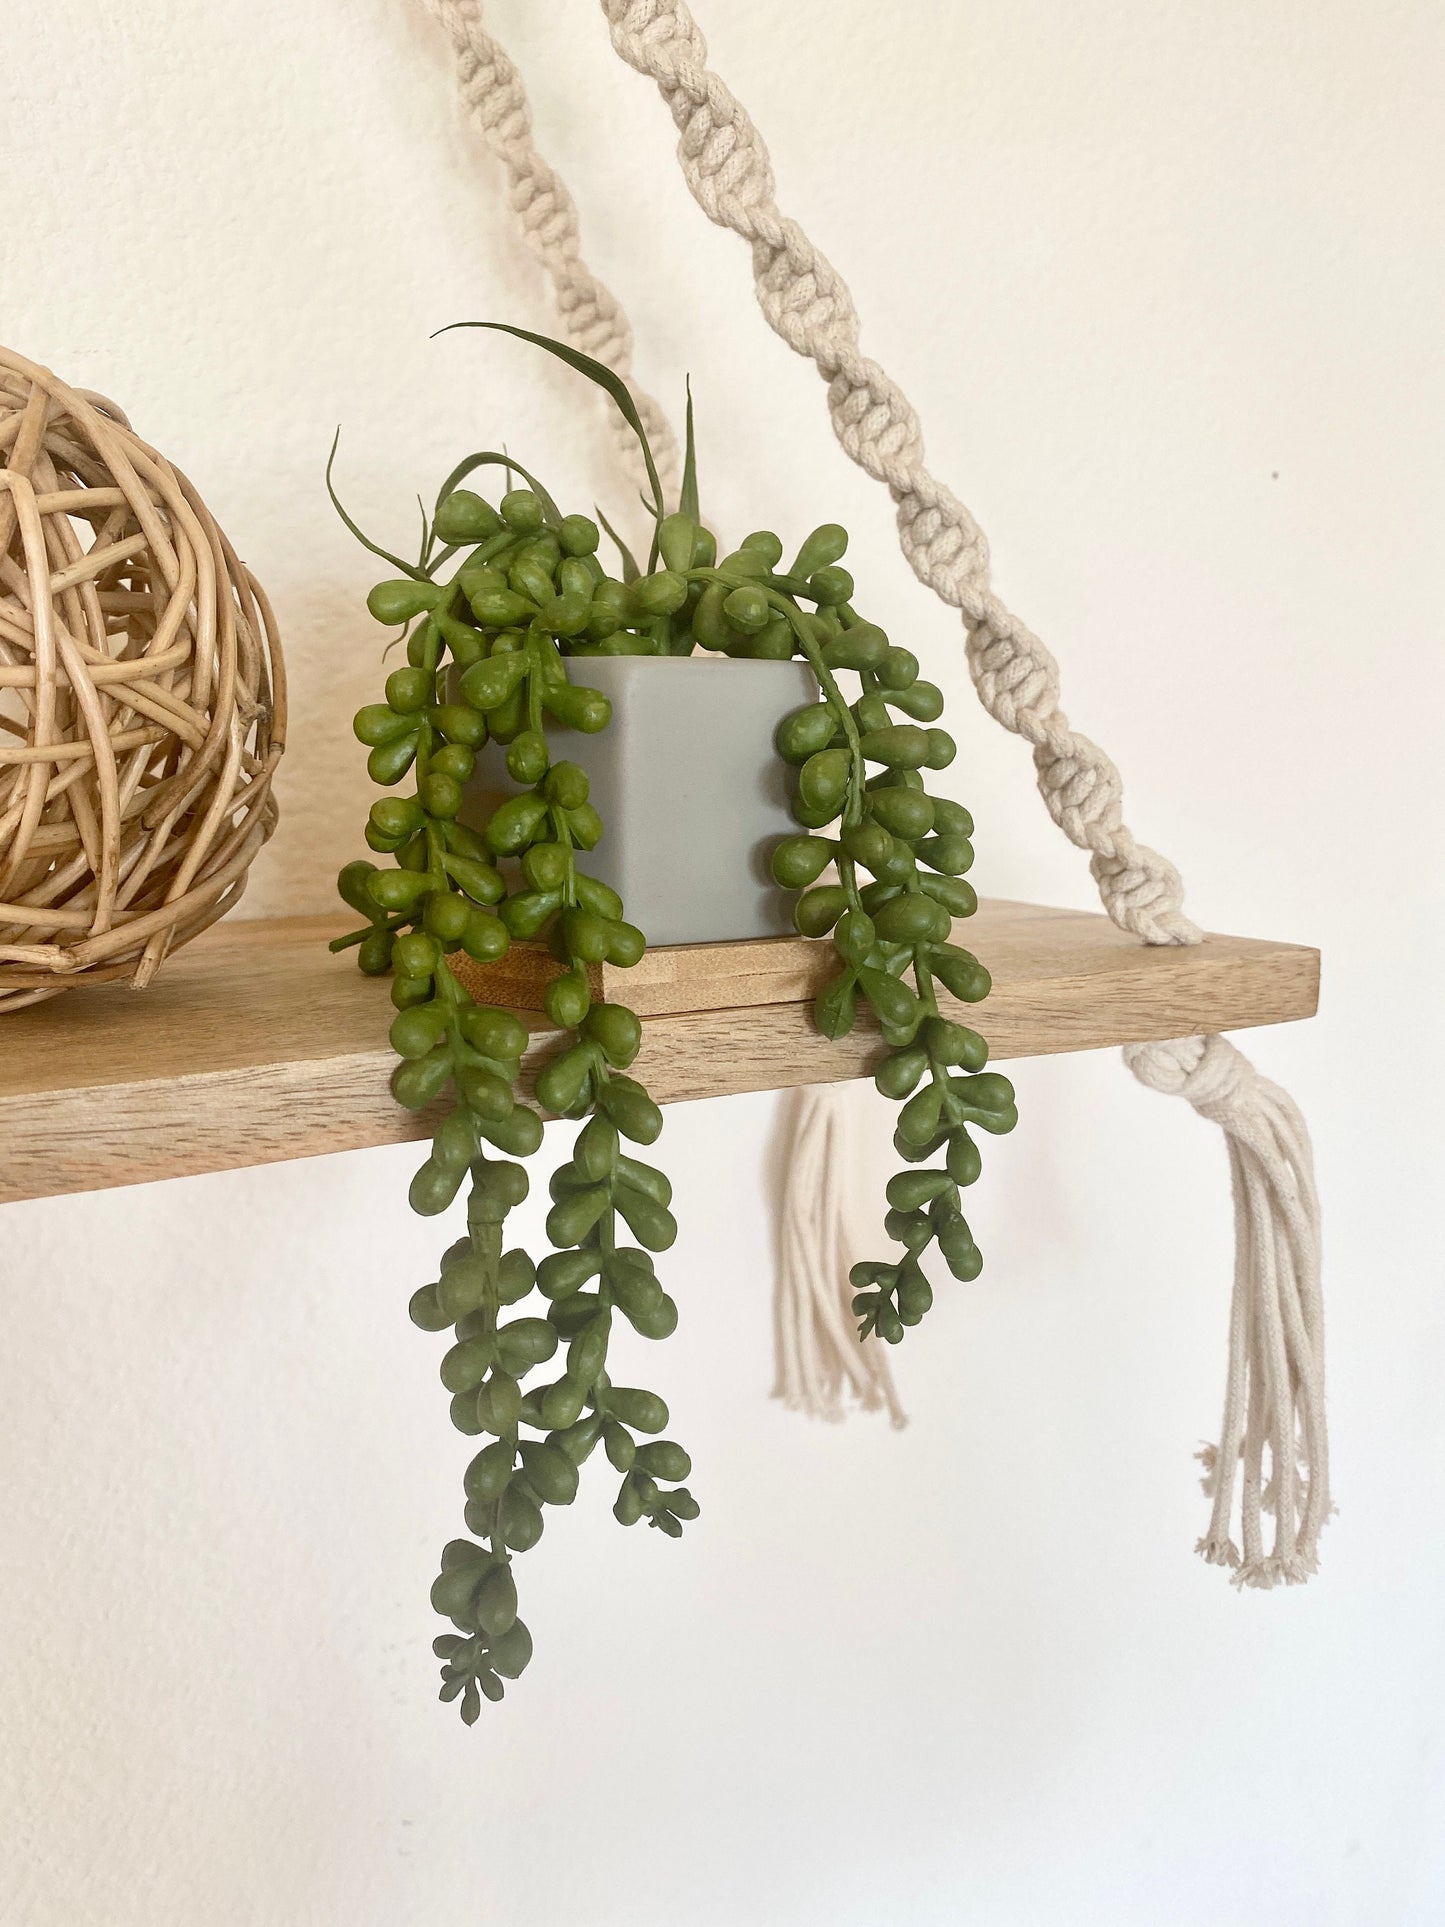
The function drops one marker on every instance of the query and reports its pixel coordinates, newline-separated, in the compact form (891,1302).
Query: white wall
(1164,283)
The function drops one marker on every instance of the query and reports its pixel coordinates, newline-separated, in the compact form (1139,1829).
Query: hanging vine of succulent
(915,849)
(488,649)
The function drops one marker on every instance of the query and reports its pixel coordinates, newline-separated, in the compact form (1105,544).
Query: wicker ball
(142,698)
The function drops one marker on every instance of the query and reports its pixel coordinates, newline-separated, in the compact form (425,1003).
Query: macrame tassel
(1274,1398)
(822,1363)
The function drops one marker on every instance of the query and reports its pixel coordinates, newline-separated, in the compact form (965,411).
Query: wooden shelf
(255,1044)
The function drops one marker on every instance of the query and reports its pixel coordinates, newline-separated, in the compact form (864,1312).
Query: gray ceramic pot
(689,787)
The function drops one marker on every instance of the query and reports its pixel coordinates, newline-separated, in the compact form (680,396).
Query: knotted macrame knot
(1208,1071)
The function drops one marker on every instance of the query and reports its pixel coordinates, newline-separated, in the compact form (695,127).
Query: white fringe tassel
(822,1363)
(1274,1397)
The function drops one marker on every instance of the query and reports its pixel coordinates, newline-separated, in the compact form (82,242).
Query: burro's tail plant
(490,647)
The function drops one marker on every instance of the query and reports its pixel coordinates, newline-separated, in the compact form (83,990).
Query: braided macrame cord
(1274,1402)
(495,103)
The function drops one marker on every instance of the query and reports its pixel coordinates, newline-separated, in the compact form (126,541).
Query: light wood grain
(672,978)
(255,1044)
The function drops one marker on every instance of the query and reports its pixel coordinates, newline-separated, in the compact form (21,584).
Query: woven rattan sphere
(142,698)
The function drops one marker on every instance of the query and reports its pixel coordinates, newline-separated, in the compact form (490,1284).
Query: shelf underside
(255,1044)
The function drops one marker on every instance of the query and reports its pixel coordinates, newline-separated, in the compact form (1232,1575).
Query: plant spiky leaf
(630,570)
(688,503)
(406,568)
(596,371)
(490,458)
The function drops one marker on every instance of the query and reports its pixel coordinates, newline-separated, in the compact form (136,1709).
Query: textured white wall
(1165,285)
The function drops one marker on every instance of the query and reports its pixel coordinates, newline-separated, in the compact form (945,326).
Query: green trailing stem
(491,654)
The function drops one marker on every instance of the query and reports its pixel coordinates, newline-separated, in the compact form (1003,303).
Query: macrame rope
(495,101)
(821,1364)
(1275,1389)
(820,1360)
(1275,1396)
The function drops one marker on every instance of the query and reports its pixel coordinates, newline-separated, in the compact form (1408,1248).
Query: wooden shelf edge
(256,1046)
